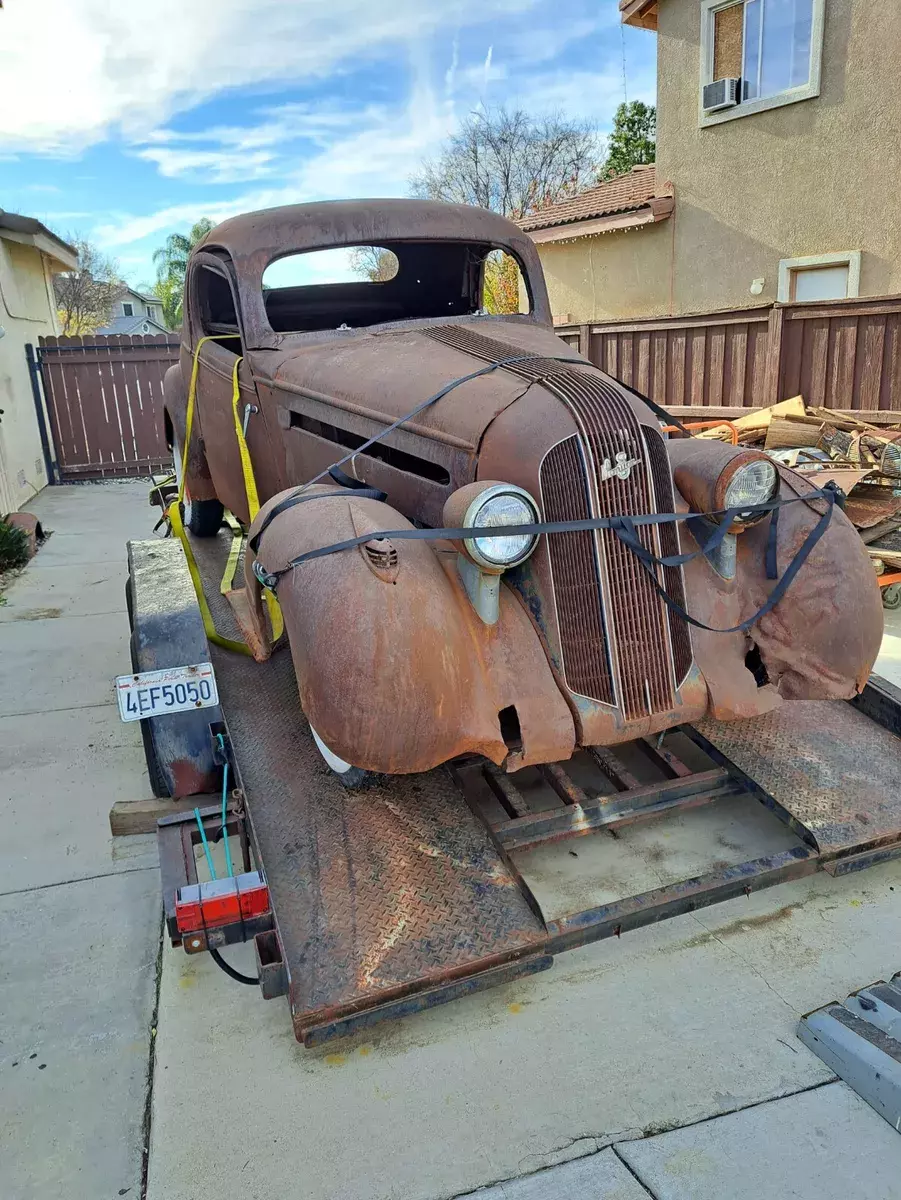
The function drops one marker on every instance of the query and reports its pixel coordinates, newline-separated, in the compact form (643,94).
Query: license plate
(156,693)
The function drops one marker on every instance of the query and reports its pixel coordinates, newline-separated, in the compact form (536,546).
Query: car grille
(619,642)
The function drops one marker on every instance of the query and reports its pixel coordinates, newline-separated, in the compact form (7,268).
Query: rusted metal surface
(586,652)
(105,401)
(581,814)
(402,675)
(378,893)
(397,898)
(828,770)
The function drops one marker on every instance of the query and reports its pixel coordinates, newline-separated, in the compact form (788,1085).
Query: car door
(215,314)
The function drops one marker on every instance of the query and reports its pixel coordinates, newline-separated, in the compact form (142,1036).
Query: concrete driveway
(663,1064)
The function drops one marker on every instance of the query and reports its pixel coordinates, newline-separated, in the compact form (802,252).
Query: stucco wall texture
(816,177)
(26,313)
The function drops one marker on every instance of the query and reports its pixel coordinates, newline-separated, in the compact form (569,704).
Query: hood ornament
(621,468)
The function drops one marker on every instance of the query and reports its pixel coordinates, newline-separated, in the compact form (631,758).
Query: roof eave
(657,209)
(642,14)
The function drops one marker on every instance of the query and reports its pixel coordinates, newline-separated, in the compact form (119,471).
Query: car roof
(254,239)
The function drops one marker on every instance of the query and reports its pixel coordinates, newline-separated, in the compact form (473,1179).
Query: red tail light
(221,902)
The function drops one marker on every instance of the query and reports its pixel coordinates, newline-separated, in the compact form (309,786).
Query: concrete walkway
(664,1064)
(79,916)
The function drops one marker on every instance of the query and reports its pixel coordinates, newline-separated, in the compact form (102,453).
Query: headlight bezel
(471,521)
(729,477)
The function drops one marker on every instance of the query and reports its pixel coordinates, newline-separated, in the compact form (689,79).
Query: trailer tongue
(369,905)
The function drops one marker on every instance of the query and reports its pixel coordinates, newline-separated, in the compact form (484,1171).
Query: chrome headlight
(753,483)
(497,506)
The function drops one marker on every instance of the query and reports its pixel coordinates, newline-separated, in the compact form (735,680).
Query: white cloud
(213,166)
(73,71)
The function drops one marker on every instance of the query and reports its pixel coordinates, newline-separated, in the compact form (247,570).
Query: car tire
(350,777)
(202,517)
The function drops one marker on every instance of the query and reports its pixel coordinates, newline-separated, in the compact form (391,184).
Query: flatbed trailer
(417,889)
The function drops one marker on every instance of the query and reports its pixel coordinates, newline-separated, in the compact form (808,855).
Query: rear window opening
(399,459)
(357,286)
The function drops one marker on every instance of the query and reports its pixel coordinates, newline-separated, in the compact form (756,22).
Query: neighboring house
(29,256)
(783,175)
(598,247)
(135,312)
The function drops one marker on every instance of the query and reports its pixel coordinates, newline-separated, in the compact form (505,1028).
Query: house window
(772,48)
(819,277)
(128,310)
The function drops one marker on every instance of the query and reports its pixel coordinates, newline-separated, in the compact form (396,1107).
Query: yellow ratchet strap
(174,515)
(208,627)
(253,500)
(231,565)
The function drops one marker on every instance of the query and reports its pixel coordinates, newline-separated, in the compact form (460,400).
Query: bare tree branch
(511,162)
(85,297)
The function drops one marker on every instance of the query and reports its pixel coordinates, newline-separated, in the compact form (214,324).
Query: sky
(123,123)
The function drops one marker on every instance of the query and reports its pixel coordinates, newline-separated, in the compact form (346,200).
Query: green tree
(171,266)
(633,140)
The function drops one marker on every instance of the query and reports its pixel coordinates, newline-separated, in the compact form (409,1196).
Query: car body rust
(397,668)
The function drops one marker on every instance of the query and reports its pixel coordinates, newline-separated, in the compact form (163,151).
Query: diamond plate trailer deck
(408,893)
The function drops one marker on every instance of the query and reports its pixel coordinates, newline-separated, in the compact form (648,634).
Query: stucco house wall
(810,178)
(27,312)
(609,276)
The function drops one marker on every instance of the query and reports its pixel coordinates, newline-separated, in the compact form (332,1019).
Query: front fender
(175,403)
(395,670)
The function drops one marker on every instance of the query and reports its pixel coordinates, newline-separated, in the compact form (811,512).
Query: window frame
(128,308)
(811,262)
(747,108)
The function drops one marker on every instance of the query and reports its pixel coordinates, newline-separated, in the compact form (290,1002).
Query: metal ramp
(860,1040)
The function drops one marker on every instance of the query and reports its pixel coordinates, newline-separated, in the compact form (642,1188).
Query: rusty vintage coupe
(411,652)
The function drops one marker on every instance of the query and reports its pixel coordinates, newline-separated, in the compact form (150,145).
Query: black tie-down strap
(345,480)
(624,527)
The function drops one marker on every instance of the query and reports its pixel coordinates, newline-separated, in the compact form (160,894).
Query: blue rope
(206,844)
(228,853)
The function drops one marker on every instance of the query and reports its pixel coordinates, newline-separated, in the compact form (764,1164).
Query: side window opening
(216,307)
(358,286)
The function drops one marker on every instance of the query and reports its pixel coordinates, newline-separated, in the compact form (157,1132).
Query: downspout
(34,371)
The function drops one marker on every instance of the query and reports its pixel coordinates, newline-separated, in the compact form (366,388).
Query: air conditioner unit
(724,93)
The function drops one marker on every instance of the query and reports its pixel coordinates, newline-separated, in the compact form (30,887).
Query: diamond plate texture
(378,892)
(832,769)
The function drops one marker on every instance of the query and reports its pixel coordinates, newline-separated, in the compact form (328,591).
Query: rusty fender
(820,641)
(175,405)
(396,671)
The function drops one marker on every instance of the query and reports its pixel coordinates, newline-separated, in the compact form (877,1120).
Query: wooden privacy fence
(843,354)
(105,403)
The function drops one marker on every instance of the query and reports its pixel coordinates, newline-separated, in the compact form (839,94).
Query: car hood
(385,373)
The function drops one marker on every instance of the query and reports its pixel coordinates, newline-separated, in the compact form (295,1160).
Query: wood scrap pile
(863,460)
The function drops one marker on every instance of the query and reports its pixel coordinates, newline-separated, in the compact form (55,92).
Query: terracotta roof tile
(621,194)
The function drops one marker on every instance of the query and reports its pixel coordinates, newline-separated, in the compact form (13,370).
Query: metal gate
(105,403)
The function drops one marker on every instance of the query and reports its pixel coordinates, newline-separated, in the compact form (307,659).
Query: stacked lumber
(863,459)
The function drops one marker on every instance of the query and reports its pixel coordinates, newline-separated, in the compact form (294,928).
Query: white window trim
(747,108)
(844,258)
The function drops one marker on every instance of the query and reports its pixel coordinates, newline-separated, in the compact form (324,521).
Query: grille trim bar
(650,653)
(584,643)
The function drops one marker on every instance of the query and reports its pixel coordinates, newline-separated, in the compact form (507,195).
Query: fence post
(773,374)
(34,371)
